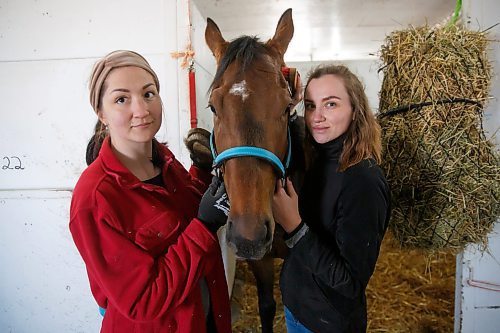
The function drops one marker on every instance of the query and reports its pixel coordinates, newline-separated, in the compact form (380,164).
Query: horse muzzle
(250,239)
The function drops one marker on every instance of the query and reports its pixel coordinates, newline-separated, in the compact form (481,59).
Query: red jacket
(144,250)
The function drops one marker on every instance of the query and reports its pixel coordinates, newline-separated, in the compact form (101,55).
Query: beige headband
(111,61)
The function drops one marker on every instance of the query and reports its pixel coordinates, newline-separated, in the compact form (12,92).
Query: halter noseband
(251,151)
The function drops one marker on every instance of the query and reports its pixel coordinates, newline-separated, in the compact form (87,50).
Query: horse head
(250,99)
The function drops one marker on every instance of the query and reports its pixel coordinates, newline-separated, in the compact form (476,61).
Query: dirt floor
(410,291)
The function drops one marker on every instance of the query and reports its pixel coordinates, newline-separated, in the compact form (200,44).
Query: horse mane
(298,163)
(245,49)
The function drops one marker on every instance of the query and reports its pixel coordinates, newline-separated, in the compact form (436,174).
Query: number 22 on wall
(12,163)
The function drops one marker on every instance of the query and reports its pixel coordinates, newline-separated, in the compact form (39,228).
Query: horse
(256,141)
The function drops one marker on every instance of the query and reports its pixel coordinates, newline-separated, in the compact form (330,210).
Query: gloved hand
(214,206)
(197,142)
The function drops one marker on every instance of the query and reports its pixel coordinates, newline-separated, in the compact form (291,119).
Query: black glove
(198,144)
(214,206)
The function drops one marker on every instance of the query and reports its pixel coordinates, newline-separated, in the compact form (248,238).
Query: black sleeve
(347,262)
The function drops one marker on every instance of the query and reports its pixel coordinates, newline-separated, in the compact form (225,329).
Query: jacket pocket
(338,303)
(156,235)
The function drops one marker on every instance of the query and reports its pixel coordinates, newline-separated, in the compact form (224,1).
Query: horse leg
(263,270)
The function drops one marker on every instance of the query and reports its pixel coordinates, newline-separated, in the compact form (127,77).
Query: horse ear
(214,39)
(283,34)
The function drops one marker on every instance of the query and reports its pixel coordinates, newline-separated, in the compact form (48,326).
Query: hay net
(443,172)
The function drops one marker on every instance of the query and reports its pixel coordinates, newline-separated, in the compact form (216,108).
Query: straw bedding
(410,291)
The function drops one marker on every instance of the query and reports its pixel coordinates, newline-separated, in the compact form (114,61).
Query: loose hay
(444,174)
(410,291)
(246,297)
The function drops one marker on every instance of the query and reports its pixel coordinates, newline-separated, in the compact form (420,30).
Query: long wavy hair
(363,137)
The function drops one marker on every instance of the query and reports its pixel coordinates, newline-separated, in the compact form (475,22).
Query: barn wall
(477,293)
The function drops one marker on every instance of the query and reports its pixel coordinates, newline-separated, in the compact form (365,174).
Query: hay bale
(444,174)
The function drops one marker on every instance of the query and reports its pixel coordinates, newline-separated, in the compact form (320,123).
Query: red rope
(192,98)
(192,77)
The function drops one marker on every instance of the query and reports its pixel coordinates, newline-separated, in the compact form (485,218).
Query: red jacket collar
(113,167)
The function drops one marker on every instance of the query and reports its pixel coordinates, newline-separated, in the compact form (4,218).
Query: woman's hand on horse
(197,142)
(286,206)
(214,205)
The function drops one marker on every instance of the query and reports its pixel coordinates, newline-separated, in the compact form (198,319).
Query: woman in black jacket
(336,226)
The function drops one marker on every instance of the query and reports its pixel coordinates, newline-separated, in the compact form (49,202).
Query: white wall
(44,286)
(48,48)
(205,68)
(477,293)
(477,298)
(480,15)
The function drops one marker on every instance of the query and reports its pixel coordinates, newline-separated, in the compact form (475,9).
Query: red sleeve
(140,286)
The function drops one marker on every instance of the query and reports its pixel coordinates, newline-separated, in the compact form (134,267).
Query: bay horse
(255,143)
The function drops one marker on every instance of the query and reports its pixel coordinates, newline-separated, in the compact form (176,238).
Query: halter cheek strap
(250,151)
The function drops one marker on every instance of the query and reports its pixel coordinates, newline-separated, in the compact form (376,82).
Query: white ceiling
(325,29)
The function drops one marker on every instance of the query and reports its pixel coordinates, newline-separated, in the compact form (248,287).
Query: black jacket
(344,219)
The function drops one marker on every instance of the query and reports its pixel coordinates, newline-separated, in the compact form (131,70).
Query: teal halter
(246,151)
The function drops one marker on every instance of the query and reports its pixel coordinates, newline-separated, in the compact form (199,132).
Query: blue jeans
(293,325)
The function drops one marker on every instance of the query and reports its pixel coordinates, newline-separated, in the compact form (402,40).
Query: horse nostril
(269,230)
(229,225)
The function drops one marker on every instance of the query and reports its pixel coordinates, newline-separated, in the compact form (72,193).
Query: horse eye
(211,108)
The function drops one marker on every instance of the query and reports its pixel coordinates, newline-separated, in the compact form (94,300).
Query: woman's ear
(101,118)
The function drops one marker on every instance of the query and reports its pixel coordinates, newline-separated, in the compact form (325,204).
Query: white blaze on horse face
(240,89)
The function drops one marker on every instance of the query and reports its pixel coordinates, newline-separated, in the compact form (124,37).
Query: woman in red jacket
(152,257)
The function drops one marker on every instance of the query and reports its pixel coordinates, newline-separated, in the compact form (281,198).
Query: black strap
(418,106)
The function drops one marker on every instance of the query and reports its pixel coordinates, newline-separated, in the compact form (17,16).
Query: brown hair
(363,137)
(100,71)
